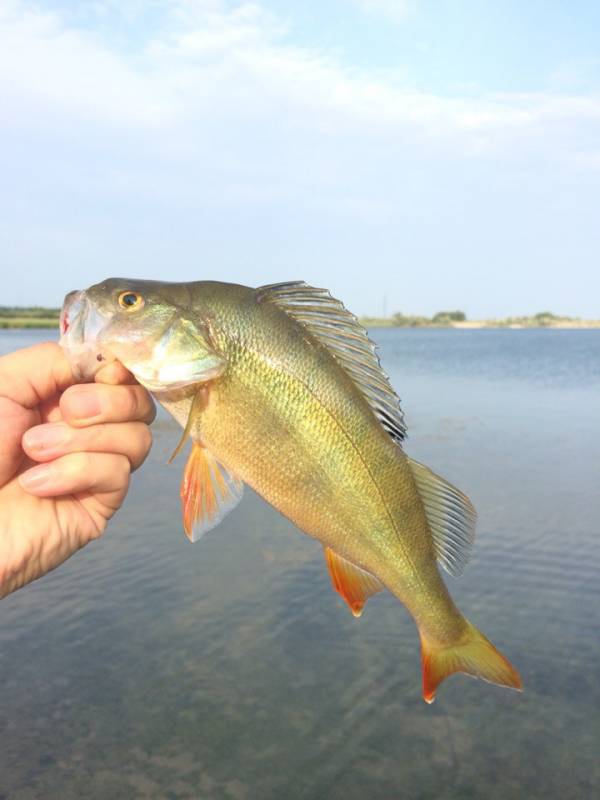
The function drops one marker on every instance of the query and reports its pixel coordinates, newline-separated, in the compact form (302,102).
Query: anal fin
(208,492)
(354,584)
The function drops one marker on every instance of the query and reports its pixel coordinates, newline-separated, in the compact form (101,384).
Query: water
(146,667)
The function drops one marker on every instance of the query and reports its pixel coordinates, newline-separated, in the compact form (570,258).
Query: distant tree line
(400,320)
(449,318)
(32,311)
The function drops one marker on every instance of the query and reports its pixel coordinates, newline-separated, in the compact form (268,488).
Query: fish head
(146,325)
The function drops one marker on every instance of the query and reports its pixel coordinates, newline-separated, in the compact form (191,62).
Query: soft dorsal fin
(451,517)
(354,584)
(341,333)
(208,492)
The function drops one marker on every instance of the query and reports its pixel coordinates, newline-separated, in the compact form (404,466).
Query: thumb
(28,378)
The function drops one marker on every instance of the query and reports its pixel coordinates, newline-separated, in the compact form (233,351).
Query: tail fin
(473,654)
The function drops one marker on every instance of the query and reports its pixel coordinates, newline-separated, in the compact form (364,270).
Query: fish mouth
(80,326)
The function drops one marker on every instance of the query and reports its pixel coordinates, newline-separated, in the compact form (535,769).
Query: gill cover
(182,357)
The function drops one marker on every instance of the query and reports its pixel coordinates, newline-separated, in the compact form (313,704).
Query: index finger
(35,374)
(93,403)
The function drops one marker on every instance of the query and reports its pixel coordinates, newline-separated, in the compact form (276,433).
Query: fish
(280,388)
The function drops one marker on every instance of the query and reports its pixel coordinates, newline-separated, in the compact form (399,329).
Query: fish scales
(301,434)
(256,379)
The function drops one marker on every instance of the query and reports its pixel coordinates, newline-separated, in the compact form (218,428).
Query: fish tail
(473,654)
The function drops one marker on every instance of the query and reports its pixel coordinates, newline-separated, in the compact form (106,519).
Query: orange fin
(208,492)
(353,583)
(473,654)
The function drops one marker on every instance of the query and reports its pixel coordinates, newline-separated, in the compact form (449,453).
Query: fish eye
(131,301)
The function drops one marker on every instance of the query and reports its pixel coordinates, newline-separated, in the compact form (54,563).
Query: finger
(48,442)
(28,377)
(114,373)
(98,473)
(34,374)
(50,410)
(93,403)
(14,421)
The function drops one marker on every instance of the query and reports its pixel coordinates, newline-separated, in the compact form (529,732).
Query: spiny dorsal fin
(451,517)
(341,333)
(353,583)
(208,492)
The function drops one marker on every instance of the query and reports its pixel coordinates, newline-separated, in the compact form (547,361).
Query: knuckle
(144,443)
(12,411)
(47,349)
(147,439)
(144,405)
(151,415)
(95,437)
(126,402)
(122,470)
(97,530)
(77,465)
(109,471)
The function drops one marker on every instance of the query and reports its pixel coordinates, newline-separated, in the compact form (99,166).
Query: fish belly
(324,462)
(287,420)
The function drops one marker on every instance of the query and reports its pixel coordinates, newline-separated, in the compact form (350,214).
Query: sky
(409,155)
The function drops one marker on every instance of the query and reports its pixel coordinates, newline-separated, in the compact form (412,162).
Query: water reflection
(147,667)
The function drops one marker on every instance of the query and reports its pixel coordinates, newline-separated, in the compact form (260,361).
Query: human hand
(66,453)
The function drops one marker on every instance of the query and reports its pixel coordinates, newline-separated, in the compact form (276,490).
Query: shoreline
(562,325)
(9,324)
(490,325)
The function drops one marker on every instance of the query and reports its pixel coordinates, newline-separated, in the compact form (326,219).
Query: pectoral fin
(354,584)
(198,403)
(208,492)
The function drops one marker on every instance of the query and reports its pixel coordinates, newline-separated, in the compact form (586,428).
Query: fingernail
(45,437)
(84,403)
(37,477)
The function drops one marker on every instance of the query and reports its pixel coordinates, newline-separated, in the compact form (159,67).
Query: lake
(147,667)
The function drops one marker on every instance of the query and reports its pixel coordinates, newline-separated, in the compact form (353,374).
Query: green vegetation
(28,322)
(400,320)
(543,319)
(37,317)
(32,317)
(458,319)
(444,317)
(33,312)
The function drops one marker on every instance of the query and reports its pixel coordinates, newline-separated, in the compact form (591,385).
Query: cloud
(159,129)
(210,60)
